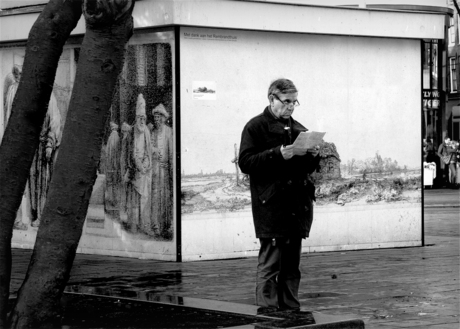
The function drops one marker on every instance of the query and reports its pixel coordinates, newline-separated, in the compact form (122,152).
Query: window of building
(458,25)
(451,32)
(453,75)
(434,65)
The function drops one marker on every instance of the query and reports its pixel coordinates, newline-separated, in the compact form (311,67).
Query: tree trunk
(109,27)
(44,47)
(456,6)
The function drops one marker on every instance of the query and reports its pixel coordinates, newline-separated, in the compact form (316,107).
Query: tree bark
(109,25)
(456,6)
(44,47)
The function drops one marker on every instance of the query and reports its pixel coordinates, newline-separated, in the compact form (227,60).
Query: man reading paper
(281,193)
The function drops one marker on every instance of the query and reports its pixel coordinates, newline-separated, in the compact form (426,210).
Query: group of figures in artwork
(138,167)
(42,166)
(139,173)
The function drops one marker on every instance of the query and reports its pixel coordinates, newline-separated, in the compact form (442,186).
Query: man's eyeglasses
(287,102)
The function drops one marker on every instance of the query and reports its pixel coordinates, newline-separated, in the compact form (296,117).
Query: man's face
(280,110)
(17,74)
(140,121)
(157,119)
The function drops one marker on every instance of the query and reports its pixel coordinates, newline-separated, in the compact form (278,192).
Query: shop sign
(431,99)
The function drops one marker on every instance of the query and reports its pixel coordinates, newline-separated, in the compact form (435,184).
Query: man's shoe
(267,309)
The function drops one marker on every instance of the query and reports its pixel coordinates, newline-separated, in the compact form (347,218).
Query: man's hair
(282,86)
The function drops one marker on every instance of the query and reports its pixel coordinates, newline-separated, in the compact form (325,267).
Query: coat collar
(277,126)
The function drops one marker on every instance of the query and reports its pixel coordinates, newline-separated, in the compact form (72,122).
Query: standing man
(445,154)
(281,193)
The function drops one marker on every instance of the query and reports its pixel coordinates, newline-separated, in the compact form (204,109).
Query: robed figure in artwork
(10,86)
(45,156)
(112,169)
(162,172)
(138,173)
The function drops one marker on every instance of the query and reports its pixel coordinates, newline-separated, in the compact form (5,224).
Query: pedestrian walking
(429,150)
(282,194)
(453,164)
(446,153)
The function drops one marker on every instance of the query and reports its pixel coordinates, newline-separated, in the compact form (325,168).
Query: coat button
(263,201)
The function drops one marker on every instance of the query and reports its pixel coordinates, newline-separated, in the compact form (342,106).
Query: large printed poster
(363,92)
(138,154)
(132,201)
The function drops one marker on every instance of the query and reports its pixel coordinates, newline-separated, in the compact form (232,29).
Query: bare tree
(44,47)
(109,26)
(456,6)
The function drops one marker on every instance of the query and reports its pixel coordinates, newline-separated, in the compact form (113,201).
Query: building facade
(452,115)
(203,69)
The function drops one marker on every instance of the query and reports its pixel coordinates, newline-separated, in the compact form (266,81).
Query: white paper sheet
(308,140)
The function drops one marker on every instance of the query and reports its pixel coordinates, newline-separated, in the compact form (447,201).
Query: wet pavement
(386,288)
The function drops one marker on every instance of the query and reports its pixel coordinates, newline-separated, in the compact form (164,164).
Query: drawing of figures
(137,176)
(112,168)
(162,172)
(145,191)
(10,85)
(125,131)
(42,165)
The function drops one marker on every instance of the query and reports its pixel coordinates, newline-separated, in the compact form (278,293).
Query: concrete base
(212,235)
(263,317)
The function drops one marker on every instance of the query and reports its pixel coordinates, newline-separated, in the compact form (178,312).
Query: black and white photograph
(230,164)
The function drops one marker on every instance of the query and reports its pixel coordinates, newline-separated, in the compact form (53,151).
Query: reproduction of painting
(138,163)
(135,175)
(51,132)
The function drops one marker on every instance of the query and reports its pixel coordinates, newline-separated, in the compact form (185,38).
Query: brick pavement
(387,288)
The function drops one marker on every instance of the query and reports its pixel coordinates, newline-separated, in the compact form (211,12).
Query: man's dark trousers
(278,273)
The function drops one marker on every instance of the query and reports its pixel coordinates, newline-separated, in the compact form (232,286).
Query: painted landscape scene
(374,180)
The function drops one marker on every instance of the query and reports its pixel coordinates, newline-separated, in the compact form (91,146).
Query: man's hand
(314,152)
(287,151)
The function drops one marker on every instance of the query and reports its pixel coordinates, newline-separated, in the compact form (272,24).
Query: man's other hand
(287,151)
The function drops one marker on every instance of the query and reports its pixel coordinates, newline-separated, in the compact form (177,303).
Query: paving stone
(384,287)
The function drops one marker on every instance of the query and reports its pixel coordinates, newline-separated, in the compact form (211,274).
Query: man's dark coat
(281,191)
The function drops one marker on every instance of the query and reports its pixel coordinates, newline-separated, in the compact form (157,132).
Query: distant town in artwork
(373,180)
